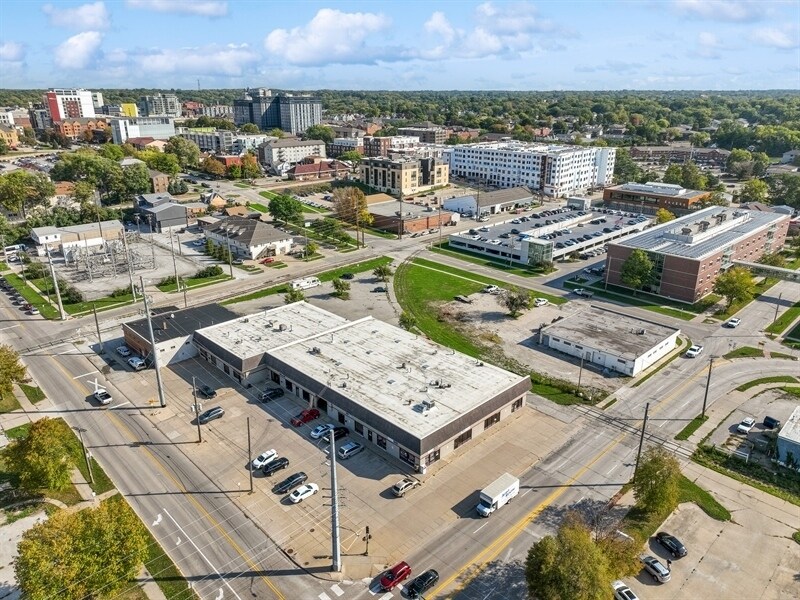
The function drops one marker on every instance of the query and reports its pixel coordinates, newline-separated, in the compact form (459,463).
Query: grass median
(764,380)
(781,323)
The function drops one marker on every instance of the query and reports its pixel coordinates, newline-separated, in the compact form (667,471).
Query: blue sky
(409,45)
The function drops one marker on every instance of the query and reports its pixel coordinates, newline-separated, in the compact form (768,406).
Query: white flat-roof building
(612,340)
(71,237)
(788,442)
(396,391)
(552,170)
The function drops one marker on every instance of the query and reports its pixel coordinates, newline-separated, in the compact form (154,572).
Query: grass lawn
(679,350)
(786,319)
(796,536)
(794,391)
(242,185)
(32,296)
(781,355)
(8,403)
(101,304)
(662,306)
(380,233)
(259,207)
(3,266)
(193,282)
(32,393)
(794,334)
(694,425)
(773,379)
(761,287)
(745,352)
(481,279)
(307,208)
(480,259)
(267,195)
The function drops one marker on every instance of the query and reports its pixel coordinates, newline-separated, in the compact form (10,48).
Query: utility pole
(366,539)
(400,224)
(182,285)
(777,306)
(230,257)
(708,383)
(156,363)
(129,260)
(97,325)
(55,285)
(249,455)
(440,223)
(85,455)
(641,440)
(197,414)
(335,551)
(174,264)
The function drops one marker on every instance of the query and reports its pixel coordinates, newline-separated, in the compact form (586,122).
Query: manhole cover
(311,530)
(290,551)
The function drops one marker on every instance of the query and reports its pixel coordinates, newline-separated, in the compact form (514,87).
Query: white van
(305,283)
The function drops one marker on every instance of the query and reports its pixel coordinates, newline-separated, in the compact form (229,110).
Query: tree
(285,208)
(773,259)
(715,198)
(293,296)
(655,487)
(11,369)
(160,161)
(568,566)
(516,300)
(692,177)
(4,147)
(186,151)
(28,136)
(276,132)
(785,189)
(353,156)
(311,248)
(341,288)
(350,206)
(754,190)
(21,189)
(43,458)
(249,128)
(699,139)
(250,168)
(319,132)
(112,152)
(625,169)
(664,216)
(383,272)
(234,172)
(673,175)
(177,187)
(84,191)
(407,321)
(212,166)
(637,270)
(84,554)
(735,285)
(137,179)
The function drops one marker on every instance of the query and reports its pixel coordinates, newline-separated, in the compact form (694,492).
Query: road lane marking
(10,327)
(70,351)
(337,590)
(528,491)
(324,596)
(158,520)
(120,405)
(200,552)
(85,374)
(481,527)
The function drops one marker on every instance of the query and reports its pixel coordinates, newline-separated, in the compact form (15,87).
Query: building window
(432,457)
(495,418)
(359,427)
(462,439)
(289,385)
(306,395)
(381,441)
(276,378)
(517,405)
(407,457)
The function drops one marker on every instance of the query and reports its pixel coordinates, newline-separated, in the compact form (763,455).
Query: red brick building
(648,197)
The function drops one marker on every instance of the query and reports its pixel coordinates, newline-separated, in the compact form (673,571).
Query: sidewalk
(27,413)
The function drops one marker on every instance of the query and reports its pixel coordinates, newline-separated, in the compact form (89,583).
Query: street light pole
(641,440)
(197,414)
(336,551)
(777,306)
(85,455)
(708,383)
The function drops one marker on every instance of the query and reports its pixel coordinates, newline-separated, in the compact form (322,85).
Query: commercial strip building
(249,238)
(392,215)
(611,340)
(292,113)
(158,128)
(398,393)
(690,252)
(715,157)
(490,203)
(648,197)
(279,155)
(551,170)
(74,237)
(404,176)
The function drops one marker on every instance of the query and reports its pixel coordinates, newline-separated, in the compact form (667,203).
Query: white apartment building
(553,170)
(223,141)
(159,128)
(7,118)
(69,104)
(280,155)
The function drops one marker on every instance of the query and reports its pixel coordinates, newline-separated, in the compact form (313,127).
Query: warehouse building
(611,340)
(491,203)
(397,392)
(395,216)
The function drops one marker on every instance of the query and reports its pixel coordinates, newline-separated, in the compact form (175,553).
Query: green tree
(515,300)
(692,177)
(350,205)
(85,554)
(352,156)
(250,168)
(784,189)
(293,296)
(4,147)
(754,190)
(84,191)
(673,175)
(28,136)
(773,259)
(137,179)
(699,139)
(735,285)
(11,369)
(177,187)
(161,161)
(212,166)
(637,270)
(737,155)
(311,249)
(277,132)
(407,321)
(568,566)
(285,208)
(319,132)
(112,152)
(21,190)
(43,458)
(249,128)
(383,272)
(341,289)
(655,487)
(234,172)
(715,198)
(186,151)
(664,216)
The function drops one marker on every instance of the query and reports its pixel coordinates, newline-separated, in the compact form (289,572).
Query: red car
(304,417)
(395,575)
(268,260)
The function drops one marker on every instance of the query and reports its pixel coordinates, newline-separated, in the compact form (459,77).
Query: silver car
(653,566)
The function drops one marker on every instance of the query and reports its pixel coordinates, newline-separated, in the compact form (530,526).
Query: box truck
(305,283)
(497,494)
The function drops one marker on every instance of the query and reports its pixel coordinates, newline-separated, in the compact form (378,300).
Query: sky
(409,45)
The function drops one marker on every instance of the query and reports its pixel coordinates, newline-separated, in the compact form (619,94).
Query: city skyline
(675,44)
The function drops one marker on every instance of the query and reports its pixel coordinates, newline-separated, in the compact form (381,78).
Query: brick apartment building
(648,197)
(75,128)
(691,251)
(404,175)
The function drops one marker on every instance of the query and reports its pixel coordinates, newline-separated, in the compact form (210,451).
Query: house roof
(250,232)
(139,141)
(322,166)
(162,207)
(129,161)
(154,173)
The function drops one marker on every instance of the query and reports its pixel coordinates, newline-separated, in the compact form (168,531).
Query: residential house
(161,211)
(213,200)
(9,135)
(250,238)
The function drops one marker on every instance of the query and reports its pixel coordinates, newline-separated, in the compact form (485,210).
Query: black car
(338,433)
(207,391)
(672,544)
(422,583)
(276,465)
(290,482)
(211,414)
(347,276)
(271,395)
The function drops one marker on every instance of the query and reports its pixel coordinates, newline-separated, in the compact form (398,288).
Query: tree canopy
(655,487)
(735,285)
(186,151)
(637,270)
(43,458)
(319,132)
(21,190)
(515,300)
(285,208)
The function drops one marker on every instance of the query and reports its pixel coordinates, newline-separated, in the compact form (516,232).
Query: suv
(395,575)
(211,414)
(338,433)
(290,482)
(207,391)
(652,565)
(671,544)
(275,465)
(271,395)
(422,583)
(304,417)
(771,423)
(400,488)
(622,591)
(349,449)
(136,363)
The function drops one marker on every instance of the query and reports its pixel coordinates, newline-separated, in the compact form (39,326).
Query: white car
(732,323)
(198,243)
(491,289)
(264,458)
(540,302)
(320,430)
(136,363)
(746,425)
(123,351)
(622,591)
(102,396)
(303,492)
(694,351)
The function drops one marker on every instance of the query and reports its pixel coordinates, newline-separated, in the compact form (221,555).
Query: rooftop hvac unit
(282,327)
(428,404)
(316,350)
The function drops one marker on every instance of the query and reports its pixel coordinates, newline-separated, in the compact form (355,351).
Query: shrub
(211,271)
(121,292)
(167,281)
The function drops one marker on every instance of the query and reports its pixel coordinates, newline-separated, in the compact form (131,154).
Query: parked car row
(134,362)
(16,298)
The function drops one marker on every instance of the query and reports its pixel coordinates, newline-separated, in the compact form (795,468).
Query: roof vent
(315,350)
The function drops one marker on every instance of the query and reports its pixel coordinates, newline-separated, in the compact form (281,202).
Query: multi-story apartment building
(217,111)
(552,170)
(158,128)
(222,141)
(280,155)
(429,135)
(681,154)
(76,128)
(384,146)
(7,118)
(69,104)
(40,119)
(292,113)
(160,105)
(404,175)
(648,197)
(9,136)
(690,252)
(97,100)
(341,145)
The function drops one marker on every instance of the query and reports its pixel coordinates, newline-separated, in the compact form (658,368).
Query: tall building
(69,104)
(552,170)
(279,155)
(97,100)
(404,175)
(160,105)
(292,113)
(158,128)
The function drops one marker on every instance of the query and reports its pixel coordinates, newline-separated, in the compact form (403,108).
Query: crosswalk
(337,592)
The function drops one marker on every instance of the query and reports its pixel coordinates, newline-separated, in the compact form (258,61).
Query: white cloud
(786,38)
(708,45)
(203,8)
(231,60)
(12,52)
(78,51)
(331,37)
(439,25)
(87,17)
(721,10)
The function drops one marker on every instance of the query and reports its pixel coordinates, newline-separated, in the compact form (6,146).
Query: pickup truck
(584,293)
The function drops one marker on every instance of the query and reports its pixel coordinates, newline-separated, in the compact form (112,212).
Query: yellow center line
(129,433)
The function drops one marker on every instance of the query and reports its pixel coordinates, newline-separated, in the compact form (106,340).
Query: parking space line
(324,596)
(481,527)
(336,589)
(10,327)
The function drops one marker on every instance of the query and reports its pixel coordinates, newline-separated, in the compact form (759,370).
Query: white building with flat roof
(552,170)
